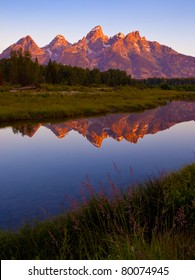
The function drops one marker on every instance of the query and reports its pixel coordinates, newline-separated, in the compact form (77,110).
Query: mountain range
(133,53)
(130,127)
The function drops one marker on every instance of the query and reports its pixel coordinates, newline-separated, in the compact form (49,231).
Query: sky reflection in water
(39,173)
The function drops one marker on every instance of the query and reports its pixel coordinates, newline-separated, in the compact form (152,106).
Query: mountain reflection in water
(39,172)
(130,127)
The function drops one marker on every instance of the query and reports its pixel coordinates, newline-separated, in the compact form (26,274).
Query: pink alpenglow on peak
(136,55)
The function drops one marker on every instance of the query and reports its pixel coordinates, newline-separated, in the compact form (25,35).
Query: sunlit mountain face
(130,127)
(133,53)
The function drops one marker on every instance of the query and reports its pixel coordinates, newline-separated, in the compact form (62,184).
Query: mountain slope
(55,48)
(26,43)
(134,54)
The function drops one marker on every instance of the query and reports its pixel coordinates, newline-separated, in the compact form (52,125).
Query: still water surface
(43,165)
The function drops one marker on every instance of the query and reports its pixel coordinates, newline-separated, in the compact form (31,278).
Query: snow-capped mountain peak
(136,55)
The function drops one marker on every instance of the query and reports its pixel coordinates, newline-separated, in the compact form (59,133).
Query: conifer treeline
(19,69)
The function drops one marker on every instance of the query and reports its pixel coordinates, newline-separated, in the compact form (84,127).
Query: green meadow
(57,102)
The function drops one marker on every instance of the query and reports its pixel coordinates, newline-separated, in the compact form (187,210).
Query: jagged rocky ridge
(134,54)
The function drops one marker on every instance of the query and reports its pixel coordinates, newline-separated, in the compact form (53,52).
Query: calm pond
(44,167)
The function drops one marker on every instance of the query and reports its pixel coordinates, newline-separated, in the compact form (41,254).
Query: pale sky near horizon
(170,22)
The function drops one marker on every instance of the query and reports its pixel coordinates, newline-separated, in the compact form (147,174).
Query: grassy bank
(64,102)
(155,220)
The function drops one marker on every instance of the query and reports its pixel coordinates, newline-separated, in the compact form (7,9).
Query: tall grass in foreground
(154,220)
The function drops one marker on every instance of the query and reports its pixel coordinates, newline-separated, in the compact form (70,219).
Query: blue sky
(170,22)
